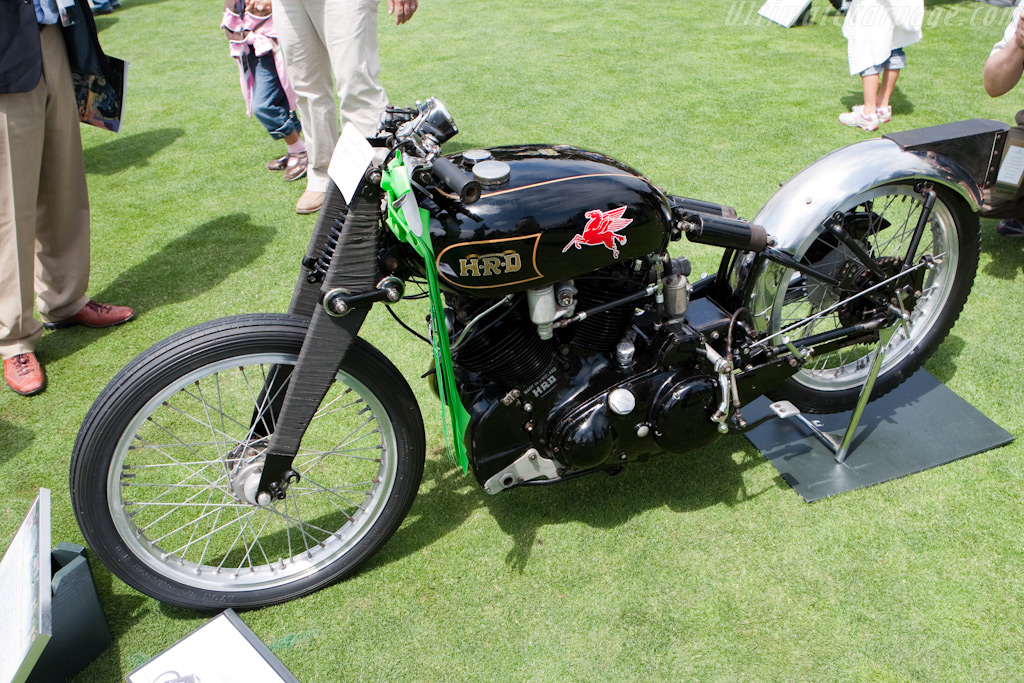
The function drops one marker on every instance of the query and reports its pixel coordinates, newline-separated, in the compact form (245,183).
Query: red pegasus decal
(602,228)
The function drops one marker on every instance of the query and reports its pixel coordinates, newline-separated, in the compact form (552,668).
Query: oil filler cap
(471,157)
(492,172)
(621,401)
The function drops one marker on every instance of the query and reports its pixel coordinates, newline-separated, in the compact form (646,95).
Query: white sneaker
(884,113)
(856,119)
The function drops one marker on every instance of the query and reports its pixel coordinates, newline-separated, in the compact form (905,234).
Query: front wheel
(171,448)
(882,220)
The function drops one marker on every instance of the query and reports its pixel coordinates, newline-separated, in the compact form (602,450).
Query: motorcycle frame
(794,217)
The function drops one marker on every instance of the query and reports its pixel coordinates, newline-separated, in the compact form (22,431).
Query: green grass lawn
(704,567)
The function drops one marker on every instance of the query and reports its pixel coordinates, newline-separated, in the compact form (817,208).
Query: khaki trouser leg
(324,37)
(44,203)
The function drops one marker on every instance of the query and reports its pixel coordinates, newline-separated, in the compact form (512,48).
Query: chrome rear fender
(794,216)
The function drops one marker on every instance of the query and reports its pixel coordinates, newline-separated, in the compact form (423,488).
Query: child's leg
(870,86)
(892,67)
(889,77)
(269,103)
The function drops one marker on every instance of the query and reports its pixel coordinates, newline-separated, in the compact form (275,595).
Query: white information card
(223,650)
(352,155)
(1012,168)
(26,623)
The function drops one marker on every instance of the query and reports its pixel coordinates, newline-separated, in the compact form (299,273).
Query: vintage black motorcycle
(254,459)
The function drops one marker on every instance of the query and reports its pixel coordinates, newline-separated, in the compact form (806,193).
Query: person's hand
(1019,35)
(259,8)
(402,9)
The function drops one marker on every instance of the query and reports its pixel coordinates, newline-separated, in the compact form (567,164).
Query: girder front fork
(342,255)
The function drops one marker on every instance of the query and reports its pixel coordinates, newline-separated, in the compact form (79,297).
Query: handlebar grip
(698,206)
(456,180)
(733,233)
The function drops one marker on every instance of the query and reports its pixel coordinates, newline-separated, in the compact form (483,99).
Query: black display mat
(919,425)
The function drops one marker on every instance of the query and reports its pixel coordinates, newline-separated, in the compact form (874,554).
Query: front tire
(159,468)
(883,218)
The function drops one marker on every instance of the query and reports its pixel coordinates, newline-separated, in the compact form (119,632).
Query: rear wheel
(882,220)
(170,454)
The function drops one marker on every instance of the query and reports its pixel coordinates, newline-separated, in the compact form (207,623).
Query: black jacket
(21,57)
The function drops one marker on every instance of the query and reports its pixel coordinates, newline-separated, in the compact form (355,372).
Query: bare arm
(1003,69)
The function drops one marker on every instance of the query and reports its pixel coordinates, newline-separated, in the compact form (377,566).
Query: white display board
(26,624)
(784,12)
(223,650)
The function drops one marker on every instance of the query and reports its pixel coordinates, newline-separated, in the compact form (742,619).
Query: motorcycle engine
(618,385)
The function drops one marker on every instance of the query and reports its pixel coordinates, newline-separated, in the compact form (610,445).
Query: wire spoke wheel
(178,446)
(882,221)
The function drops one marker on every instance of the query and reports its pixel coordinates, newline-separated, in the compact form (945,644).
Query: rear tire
(158,466)
(886,217)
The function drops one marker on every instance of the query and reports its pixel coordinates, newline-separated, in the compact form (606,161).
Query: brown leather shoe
(24,375)
(95,314)
(278,164)
(310,202)
(296,166)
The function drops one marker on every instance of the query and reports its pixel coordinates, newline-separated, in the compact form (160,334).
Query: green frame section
(410,224)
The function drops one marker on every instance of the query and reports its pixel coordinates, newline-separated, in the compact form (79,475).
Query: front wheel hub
(245,464)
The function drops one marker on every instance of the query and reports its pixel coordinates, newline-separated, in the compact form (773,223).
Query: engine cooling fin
(509,353)
(600,333)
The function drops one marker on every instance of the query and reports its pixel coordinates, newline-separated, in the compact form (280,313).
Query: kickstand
(841,449)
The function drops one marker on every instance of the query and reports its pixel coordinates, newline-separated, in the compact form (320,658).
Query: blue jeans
(897,60)
(269,103)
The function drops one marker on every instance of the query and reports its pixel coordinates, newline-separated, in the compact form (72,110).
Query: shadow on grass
(185,268)
(105,22)
(901,106)
(707,477)
(131,150)
(1006,253)
(13,440)
(132,4)
(446,499)
(694,481)
(942,364)
(682,483)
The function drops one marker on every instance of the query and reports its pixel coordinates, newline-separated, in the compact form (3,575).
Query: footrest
(784,409)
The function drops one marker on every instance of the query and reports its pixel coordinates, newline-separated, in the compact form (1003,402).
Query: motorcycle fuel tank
(546,214)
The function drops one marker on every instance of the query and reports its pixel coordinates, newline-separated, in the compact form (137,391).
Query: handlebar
(719,231)
(456,180)
(421,132)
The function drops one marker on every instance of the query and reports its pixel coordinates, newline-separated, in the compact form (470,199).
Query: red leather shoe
(24,375)
(95,314)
